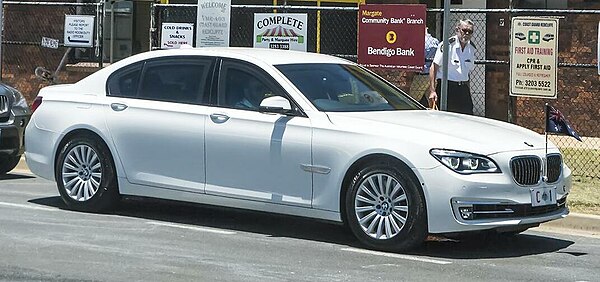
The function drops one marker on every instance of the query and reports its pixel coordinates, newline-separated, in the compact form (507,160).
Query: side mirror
(275,104)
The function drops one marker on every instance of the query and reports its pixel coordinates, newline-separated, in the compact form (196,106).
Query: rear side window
(124,82)
(182,81)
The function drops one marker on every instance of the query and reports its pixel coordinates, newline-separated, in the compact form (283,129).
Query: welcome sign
(280,31)
(212,23)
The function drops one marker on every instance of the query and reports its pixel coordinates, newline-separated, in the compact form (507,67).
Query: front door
(253,155)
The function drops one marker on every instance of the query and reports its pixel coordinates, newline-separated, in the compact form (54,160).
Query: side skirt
(127,188)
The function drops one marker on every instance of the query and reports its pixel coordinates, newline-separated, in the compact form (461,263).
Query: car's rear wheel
(85,174)
(385,208)
(8,163)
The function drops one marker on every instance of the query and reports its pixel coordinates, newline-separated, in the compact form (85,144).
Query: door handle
(219,118)
(117,107)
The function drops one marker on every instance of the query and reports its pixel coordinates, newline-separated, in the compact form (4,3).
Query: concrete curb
(574,221)
(577,222)
(22,166)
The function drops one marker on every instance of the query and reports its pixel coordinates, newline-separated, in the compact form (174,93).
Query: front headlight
(20,101)
(463,162)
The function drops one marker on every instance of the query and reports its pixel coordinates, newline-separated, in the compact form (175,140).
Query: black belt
(459,83)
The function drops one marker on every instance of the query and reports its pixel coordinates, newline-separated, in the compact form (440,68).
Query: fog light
(466,212)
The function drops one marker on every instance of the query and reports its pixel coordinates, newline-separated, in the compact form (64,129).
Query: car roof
(253,55)
(268,56)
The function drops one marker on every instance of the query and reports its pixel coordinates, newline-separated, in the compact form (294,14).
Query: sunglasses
(467,30)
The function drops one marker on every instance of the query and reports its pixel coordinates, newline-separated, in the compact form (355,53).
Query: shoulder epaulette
(451,40)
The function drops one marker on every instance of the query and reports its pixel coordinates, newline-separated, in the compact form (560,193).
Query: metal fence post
(445,49)
(99,33)
(1,29)
(152,27)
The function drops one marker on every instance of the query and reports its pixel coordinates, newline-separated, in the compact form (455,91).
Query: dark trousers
(459,97)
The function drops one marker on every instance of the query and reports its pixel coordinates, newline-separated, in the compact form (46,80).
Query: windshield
(346,88)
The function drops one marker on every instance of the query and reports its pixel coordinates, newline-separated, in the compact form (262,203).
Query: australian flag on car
(557,123)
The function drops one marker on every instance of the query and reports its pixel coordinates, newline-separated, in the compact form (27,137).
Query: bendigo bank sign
(392,36)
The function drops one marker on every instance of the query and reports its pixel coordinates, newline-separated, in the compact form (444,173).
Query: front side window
(345,88)
(242,88)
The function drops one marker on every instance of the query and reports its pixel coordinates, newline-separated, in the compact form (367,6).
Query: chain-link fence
(333,30)
(337,32)
(337,23)
(25,24)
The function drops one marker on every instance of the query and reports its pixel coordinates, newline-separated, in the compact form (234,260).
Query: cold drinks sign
(392,36)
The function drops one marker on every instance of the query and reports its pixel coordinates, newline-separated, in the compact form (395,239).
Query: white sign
(533,57)
(49,42)
(213,23)
(79,31)
(280,31)
(173,35)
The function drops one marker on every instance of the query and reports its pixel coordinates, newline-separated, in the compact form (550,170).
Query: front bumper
(11,136)
(493,200)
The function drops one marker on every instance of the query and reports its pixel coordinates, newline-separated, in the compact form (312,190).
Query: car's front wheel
(385,208)
(85,174)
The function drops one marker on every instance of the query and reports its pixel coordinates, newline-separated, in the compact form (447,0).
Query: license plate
(543,196)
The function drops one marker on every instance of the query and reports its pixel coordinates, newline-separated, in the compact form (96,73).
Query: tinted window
(182,81)
(124,82)
(346,88)
(243,89)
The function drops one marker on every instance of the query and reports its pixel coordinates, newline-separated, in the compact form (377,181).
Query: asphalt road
(152,240)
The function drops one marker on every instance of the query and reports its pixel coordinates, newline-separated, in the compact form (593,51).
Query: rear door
(156,117)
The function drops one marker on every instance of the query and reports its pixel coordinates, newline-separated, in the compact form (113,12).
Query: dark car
(14,115)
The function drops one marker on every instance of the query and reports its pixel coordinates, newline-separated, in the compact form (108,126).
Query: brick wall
(21,53)
(578,87)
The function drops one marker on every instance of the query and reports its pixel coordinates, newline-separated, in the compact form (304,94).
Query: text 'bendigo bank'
(388,52)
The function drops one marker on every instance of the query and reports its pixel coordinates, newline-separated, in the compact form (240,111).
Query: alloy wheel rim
(381,206)
(81,173)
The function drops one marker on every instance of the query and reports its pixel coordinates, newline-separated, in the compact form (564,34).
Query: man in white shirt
(461,60)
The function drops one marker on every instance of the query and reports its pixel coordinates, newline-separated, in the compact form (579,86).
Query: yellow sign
(391,37)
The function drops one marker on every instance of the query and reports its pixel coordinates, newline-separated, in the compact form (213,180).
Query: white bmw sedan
(293,133)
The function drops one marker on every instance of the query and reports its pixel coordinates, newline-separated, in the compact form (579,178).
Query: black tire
(414,230)
(9,163)
(106,194)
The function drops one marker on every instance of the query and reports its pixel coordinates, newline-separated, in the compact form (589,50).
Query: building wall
(24,26)
(578,87)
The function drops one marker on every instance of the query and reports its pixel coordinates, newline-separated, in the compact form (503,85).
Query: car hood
(438,129)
